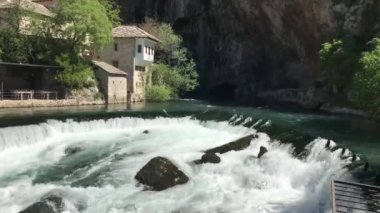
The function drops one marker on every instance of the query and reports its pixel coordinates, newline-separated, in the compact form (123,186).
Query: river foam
(33,163)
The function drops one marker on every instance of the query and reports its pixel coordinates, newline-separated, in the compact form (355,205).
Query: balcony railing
(28,94)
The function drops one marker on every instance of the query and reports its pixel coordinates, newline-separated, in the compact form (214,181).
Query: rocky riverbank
(47,103)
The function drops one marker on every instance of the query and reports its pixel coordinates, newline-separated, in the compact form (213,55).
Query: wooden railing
(354,198)
(28,94)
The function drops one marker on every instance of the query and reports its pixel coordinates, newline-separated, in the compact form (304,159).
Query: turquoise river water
(294,176)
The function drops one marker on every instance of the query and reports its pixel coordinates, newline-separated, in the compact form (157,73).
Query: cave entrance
(225,92)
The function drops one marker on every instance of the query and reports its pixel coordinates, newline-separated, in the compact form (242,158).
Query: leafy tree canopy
(340,59)
(85,23)
(175,72)
(366,92)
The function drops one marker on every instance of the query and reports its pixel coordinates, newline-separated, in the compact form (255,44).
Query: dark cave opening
(225,91)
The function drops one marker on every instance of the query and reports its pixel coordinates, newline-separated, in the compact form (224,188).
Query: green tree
(13,43)
(366,87)
(14,47)
(85,24)
(77,72)
(340,59)
(175,72)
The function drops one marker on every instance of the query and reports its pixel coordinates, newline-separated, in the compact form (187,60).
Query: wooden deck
(354,198)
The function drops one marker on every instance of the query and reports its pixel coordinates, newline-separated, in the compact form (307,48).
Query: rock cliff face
(245,46)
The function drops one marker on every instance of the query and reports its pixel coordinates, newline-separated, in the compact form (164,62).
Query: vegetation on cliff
(174,72)
(354,72)
(366,85)
(340,59)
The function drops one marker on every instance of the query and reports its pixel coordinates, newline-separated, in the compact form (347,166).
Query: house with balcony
(132,51)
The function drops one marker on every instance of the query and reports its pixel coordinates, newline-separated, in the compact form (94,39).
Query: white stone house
(132,51)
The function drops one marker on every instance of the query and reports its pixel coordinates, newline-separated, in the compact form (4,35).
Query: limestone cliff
(253,45)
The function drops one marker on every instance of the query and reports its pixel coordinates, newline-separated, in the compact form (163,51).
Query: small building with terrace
(28,81)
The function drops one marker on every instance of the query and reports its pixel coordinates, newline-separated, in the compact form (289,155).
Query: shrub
(340,59)
(77,73)
(99,96)
(366,86)
(175,71)
(158,93)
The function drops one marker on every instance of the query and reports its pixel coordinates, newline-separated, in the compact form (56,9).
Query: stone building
(113,82)
(26,21)
(132,51)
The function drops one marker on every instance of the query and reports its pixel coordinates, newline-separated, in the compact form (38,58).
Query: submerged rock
(50,204)
(262,151)
(72,150)
(160,174)
(354,158)
(327,146)
(119,157)
(343,151)
(237,145)
(208,157)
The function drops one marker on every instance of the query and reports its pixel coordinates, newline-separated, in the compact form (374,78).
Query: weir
(354,198)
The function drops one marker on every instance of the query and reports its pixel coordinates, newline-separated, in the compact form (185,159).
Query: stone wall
(117,90)
(305,98)
(46,103)
(139,79)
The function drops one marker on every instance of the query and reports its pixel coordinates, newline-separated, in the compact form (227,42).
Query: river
(294,176)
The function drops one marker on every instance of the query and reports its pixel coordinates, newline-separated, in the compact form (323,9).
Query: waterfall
(277,182)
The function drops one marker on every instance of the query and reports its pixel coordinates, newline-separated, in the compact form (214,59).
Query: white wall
(146,57)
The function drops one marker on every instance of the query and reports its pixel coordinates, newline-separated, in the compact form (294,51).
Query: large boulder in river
(237,145)
(51,204)
(159,174)
(208,157)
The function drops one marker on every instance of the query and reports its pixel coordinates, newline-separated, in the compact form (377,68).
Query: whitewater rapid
(33,163)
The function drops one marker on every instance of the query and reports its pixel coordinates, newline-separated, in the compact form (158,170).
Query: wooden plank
(354,197)
(357,184)
(333,196)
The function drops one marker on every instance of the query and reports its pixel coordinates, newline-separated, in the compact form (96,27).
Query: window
(146,49)
(115,64)
(115,47)
(139,48)
(140,68)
